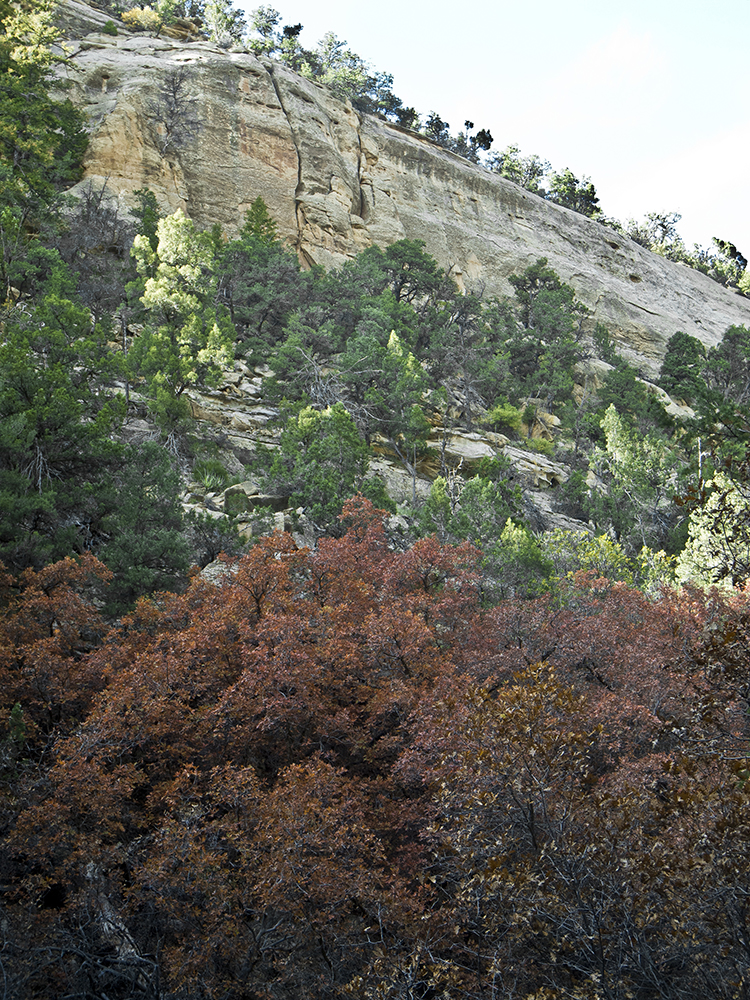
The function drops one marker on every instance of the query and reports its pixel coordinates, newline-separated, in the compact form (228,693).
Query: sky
(647,99)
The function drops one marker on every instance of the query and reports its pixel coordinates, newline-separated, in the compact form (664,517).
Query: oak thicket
(338,774)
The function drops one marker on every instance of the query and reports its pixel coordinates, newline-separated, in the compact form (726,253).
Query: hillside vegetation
(435,752)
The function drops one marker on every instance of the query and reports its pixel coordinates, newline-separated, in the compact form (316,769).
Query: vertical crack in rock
(362,207)
(269,67)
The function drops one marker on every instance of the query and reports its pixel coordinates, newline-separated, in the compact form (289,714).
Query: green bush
(209,536)
(110,28)
(211,474)
(146,549)
(376,491)
(572,551)
(540,445)
(504,415)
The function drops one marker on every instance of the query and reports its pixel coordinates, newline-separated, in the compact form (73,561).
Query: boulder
(245,496)
(462,448)
(536,469)
(398,482)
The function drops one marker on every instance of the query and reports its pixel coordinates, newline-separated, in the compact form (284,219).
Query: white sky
(648,98)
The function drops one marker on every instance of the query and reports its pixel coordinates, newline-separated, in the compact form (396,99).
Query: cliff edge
(337,181)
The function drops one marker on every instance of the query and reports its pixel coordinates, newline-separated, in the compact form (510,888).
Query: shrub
(144,18)
(210,473)
(540,445)
(504,415)
(110,28)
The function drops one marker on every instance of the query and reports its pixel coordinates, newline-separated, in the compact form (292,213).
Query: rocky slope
(337,181)
(238,415)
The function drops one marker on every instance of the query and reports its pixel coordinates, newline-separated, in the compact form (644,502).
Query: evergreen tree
(260,283)
(41,140)
(643,480)
(387,384)
(321,462)
(56,417)
(187,340)
(544,348)
(580,196)
(682,368)
(147,550)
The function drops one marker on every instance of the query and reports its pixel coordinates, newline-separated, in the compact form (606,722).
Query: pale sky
(648,98)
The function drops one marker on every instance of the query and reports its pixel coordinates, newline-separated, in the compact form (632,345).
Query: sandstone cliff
(337,182)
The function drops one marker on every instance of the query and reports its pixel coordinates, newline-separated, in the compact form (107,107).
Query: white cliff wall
(337,182)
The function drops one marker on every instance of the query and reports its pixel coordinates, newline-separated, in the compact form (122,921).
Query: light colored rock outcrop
(337,182)
(590,376)
(680,410)
(462,448)
(537,470)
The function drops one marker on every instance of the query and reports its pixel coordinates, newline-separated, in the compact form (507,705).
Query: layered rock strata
(337,182)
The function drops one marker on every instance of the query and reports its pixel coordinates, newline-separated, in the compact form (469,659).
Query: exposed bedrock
(337,182)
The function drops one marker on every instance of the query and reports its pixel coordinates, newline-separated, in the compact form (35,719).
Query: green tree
(728,367)
(223,24)
(462,354)
(483,509)
(259,224)
(723,403)
(42,141)
(436,514)
(321,462)
(517,564)
(528,171)
(658,233)
(624,390)
(682,368)
(264,21)
(386,384)
(57,413)
(147,216)
(545,347)
(27,31)
(260,283)
(579,195)
(717,551)
(340,69)
(731,262)
(147,550)
(537,279)
(642,469)
(187,340)
(478,511)
(412,274)
(574,551)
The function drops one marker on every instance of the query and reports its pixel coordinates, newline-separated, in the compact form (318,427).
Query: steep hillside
(337,181)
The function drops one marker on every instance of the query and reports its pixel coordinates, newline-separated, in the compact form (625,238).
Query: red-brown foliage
(336,774)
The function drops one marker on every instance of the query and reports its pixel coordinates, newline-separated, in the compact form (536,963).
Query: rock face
(337,182)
